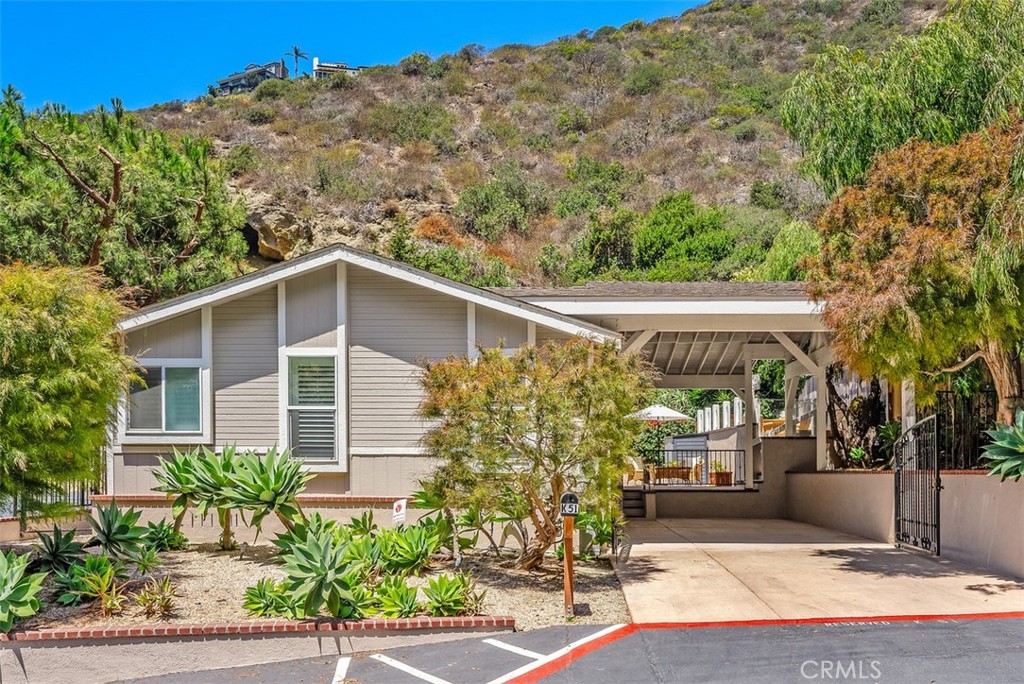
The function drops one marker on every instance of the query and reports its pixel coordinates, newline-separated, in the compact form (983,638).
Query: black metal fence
(58,498)
(960,426)
(917,481)
(695,467)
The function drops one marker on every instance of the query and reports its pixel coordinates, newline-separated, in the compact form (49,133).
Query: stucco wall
(769,501)
(980,517)
(860,503)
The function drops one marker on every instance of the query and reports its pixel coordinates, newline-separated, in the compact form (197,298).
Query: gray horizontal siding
(311,309)
(495,328)
(177,338)
(388,475)
(133,469)
(392,325)
(549,334)
(245,405)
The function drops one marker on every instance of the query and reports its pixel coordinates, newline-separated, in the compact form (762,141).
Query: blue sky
(83,53)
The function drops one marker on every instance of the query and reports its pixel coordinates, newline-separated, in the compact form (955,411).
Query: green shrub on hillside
(595,184)
(503,204)
(644,79)
(272,89)
(403,122)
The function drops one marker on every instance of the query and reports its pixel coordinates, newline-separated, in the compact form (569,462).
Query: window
(167,400)
(312,408)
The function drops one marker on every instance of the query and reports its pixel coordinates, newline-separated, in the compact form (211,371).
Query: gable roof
(243,285)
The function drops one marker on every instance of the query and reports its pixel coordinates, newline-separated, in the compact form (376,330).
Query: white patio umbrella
(659,414)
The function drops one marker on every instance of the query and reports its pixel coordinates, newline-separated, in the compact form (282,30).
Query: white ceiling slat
(700,368)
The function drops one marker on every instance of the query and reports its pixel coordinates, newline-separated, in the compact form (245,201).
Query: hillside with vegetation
(646,151)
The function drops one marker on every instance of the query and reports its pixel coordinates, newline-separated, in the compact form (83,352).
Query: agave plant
(319,575)
(17,590)
(117,532)
(267,598)
(177,475)
(1005,453)
(213,482)
(71,583)
(396,599)
(161,536)
(449,595)
(316,525)
(407,550)
(267,485)
(59,551)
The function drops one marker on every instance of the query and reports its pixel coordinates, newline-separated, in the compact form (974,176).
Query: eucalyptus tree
(960,74)
(921,269)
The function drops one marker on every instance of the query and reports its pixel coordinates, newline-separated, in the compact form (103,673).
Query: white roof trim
(246,284)
(621,306)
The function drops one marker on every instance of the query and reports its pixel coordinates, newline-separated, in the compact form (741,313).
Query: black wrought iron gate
(916,473)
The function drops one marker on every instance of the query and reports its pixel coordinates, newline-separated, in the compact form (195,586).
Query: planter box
(721,479)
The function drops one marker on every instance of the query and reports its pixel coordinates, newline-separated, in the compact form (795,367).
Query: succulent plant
(1005,453)
(18,590)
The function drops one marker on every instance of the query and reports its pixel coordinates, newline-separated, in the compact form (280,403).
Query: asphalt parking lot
(934,649)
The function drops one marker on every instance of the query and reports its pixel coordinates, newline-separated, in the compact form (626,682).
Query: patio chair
(697,467)
(635,474)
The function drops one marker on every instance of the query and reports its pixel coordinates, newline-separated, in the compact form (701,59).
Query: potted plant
(720,477)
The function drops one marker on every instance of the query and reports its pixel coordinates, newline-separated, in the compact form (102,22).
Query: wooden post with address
(569,506)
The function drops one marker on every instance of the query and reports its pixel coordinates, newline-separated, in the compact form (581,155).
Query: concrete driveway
(715,570)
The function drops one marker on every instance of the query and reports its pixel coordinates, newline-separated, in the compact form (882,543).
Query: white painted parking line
(529,667)
(514,649)
(409,669)
(341,670)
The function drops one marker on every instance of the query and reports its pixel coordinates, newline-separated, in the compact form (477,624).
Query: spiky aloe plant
(268,484)
(59,551)
(1006,452)
(17,590)
(117,531)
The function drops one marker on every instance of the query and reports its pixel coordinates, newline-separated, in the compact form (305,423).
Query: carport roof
(677,290)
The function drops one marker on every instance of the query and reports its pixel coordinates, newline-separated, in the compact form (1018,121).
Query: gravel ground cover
(212,583)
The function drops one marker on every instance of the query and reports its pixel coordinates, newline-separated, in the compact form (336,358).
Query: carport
(712,570)
(707,335)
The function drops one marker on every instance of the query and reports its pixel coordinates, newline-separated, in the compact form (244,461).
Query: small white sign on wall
(398,511)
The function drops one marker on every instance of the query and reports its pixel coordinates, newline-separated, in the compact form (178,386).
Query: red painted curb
(551,667)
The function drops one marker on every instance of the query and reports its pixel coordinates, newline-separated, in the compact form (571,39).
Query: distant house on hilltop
(251,76)
(328,69)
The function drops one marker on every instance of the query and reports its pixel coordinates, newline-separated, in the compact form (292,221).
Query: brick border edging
(259,627)
(879,472)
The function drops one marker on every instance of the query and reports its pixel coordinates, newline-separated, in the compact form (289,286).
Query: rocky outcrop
(283,235)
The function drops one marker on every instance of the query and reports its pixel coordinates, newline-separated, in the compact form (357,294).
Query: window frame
(311,353)
(163,401)
(149,436)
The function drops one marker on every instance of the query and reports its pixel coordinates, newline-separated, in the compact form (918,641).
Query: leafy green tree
(788,256)
(539,423)
(921,269)
(961,73)
(61,372)
(102,190)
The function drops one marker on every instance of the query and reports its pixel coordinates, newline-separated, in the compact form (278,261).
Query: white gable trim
(242,286)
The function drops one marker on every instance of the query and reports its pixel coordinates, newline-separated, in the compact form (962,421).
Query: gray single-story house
(320,354)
